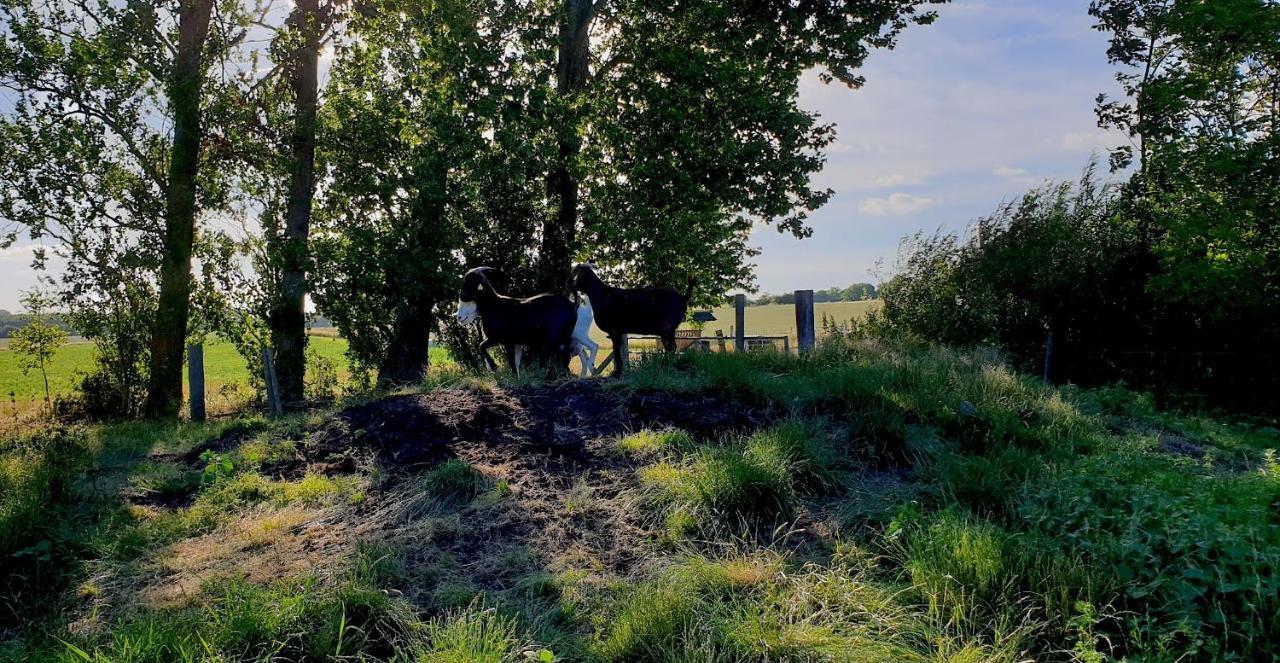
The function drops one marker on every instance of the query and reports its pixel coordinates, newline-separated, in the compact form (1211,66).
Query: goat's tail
(688,289)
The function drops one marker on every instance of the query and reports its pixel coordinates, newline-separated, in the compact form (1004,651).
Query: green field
(780,319)
(222,365)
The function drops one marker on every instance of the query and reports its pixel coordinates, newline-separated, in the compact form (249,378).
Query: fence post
(273,386)
(720,339)
(804,321)
(740,320)
(786,345)
(622,354)
(195,380)
(1048,357)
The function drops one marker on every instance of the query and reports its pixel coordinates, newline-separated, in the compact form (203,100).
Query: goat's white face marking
(467,312)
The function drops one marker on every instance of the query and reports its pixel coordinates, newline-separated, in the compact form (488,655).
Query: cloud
(1015,175)
(24,252)
(897,204)
(897,179)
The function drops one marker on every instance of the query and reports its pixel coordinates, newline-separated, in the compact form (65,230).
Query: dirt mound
(424,428)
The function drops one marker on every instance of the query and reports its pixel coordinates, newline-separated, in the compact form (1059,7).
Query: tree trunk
(288,318)
(169,330)
(560,230)
(408,352)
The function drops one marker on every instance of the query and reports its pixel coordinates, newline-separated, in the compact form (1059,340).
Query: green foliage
(678,176)
(970,572)
(1052,261)
(474,634)
(754,479)
(36,473)
(751,608)
(1194,547)
(87,170)
(722,483)
(402,136)
(1201,108)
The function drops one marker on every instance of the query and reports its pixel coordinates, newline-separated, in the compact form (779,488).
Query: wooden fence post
(195,380)
(273,386)
(740,320)
(622,354)
(720,339)
(1048,357)
(804,320)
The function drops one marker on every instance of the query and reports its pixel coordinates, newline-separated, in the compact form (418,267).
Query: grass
(900,503)
(225,371)
(780,319)
(227,383)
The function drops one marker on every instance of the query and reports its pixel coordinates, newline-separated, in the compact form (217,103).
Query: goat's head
(474,283)
(583,277)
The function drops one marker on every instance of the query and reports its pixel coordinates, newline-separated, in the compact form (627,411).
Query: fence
(806,336)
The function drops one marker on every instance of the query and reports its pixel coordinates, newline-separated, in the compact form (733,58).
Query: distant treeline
(854,293)
(11,322)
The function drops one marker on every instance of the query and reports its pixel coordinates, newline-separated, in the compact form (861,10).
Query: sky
(993,98)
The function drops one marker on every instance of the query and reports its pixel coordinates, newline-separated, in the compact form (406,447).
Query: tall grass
(1035,520)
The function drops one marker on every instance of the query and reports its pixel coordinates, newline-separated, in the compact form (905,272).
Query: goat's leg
(484,352)
(513,353)
(587,357)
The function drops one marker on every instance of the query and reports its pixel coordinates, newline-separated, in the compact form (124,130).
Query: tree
(1202,101)
(407,161)
(307,24)
(692,131)
(92,167)
(36,343)
(169,334)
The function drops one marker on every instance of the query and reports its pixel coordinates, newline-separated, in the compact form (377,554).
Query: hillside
(911,505)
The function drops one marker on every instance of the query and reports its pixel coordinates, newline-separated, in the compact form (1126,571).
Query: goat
(621,311)
(581,343)
(543,322)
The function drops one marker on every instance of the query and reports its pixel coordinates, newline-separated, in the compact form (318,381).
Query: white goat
(580,343)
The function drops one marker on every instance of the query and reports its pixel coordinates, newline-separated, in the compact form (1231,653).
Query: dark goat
(540,323)
(619,311)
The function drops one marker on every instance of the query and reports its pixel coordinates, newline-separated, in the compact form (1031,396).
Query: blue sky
(994,97)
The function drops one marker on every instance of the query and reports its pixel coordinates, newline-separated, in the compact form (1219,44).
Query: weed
(652,443)
(454,481)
